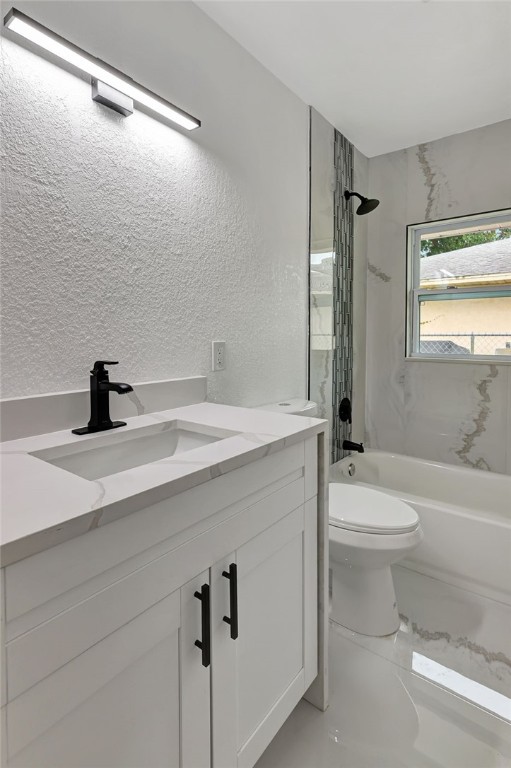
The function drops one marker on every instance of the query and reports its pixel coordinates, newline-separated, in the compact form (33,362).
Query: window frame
(414,292)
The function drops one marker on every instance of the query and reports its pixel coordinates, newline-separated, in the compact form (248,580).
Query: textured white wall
(458,412)
(125,239)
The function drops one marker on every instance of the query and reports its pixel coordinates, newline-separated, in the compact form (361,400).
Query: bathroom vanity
(160,589)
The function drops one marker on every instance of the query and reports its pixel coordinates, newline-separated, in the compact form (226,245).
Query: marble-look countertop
(44,505)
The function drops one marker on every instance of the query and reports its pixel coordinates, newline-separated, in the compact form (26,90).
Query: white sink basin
(116,451)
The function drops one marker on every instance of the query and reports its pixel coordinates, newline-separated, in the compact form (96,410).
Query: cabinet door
(125,701)
(258,678)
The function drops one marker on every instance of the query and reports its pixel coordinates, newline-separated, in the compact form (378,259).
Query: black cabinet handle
(232,575)
(205,643)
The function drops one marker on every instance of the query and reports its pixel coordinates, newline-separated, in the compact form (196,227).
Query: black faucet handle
(99,365)
(345,410)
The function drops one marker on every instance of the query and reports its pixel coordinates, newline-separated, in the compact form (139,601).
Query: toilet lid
(368,511)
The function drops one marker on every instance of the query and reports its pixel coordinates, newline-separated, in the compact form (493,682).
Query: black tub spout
(347,445)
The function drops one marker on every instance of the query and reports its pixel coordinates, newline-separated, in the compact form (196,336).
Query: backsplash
(36,415)
(457,412)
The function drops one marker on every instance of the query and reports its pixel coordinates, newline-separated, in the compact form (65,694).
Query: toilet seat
(367,511)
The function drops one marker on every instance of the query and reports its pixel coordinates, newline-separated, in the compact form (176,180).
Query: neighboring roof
(485,259)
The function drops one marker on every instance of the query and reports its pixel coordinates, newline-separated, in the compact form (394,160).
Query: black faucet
(100,388)
(347,445)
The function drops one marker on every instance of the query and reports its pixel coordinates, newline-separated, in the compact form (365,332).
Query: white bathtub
(465,514)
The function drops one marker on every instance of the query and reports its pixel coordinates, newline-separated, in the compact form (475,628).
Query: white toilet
(293,406)
(368,531)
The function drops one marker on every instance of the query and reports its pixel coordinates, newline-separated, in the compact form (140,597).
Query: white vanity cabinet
(87,690)
(169,638)
(258,678)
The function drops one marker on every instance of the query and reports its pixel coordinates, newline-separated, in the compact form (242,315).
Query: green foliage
(455,242)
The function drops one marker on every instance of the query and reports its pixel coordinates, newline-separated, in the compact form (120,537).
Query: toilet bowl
(368,532)
(293,406)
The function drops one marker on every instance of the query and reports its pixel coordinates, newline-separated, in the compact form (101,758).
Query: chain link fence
(466,343)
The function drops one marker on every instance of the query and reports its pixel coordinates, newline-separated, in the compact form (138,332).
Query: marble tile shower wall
(456,412)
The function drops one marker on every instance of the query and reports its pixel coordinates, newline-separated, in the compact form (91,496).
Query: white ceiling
(387,74)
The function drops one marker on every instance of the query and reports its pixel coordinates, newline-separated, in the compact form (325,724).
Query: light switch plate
(218,355)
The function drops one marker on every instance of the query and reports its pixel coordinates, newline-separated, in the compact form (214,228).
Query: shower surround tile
(338,247)
(508,428)
(360,184)
(342,385)
(454,413)
(457,412)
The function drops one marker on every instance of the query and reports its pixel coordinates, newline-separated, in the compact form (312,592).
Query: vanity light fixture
(109,86)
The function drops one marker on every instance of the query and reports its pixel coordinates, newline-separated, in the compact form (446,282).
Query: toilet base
(364,599)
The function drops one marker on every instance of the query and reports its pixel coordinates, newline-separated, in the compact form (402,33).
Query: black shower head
(366,205)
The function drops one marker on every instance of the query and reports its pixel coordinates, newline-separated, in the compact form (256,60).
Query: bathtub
(465,515)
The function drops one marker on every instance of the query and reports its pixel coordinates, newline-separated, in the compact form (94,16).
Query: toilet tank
(294,406)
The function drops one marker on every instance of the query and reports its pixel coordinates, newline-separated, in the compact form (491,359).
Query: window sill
(494,360)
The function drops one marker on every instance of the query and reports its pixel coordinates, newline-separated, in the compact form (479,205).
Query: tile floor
(434,695)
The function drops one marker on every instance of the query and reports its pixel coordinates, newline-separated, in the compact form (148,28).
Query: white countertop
(44,505)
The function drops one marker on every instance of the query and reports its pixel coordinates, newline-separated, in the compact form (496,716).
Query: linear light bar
(58,46)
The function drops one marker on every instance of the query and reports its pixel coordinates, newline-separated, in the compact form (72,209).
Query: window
(459,288)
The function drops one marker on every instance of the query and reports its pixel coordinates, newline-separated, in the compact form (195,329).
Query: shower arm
(348,194)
